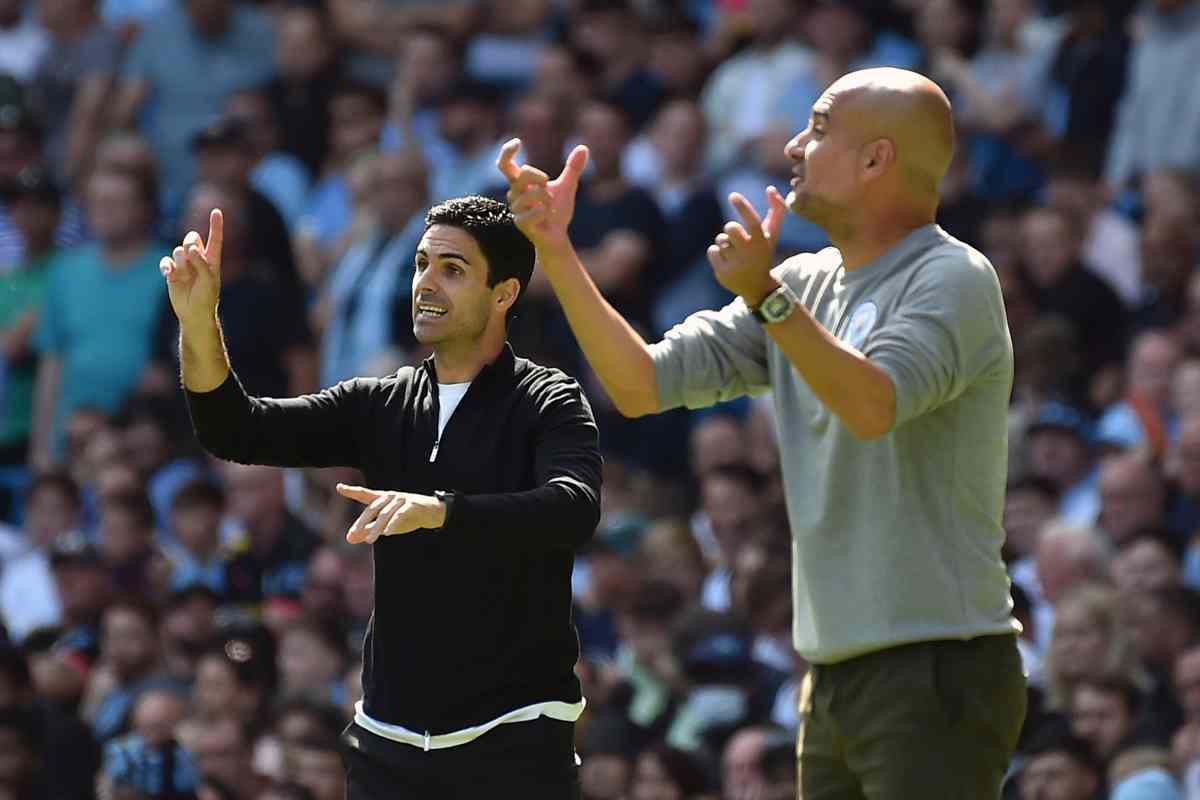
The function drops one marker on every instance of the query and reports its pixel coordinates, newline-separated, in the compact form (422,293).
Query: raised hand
(193,273)
(542,207)
(391,513)
(743,253)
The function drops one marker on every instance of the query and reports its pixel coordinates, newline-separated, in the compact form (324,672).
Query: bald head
(906,108)
(878,146)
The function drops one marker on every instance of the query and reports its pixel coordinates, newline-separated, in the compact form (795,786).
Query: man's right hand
(542,207)
(193,273)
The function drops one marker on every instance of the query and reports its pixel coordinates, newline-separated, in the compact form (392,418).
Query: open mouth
(430,311)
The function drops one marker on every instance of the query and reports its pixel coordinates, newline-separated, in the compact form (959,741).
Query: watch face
(776,305)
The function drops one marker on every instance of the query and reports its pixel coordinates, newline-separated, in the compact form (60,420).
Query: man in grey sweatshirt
(890,364)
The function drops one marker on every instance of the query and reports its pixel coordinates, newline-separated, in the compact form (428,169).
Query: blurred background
(174,626)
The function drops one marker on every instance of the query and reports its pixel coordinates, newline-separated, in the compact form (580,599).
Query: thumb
(573,170)
(775,215)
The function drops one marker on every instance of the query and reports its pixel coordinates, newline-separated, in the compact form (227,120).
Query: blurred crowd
(176,626)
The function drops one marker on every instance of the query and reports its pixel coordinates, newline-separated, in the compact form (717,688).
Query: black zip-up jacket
(474,619)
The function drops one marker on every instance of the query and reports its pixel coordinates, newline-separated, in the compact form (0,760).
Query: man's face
(321,772)
(1058,455)
(122,535)
(1025,512)
(730,506)
(223,163)
(116,209)
(49,513)
(451,300)
(1130,499)
(604,132)
(301,46)
(355,124)
(1049,246)
(1101,717)
(678,136)
(127,641)
(824,157)
(1057,776)
(1145,566)
(398,190)
(426,66)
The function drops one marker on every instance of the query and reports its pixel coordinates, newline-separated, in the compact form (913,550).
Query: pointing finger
(747,213)
(507,166)
(216,237)
(774,222)
(359,493)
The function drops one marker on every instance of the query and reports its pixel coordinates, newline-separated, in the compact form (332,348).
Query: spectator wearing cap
(1060,766)
(85,588)
(73,83)
(226,156)
(35,207)
(278,175)
(28,596)
(101,304)
(1060,451)
(1156,127)
(220,40)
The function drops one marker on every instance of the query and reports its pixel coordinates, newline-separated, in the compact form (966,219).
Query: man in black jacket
(472,627)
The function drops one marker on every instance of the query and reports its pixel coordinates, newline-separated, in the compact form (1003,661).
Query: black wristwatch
(777,306)
(447,499)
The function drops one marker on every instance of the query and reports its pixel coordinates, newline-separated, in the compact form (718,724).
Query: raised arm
(617,353)
(317,430)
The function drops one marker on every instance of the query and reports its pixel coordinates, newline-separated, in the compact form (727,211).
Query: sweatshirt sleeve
(314,430)
(949,332)
(562,512)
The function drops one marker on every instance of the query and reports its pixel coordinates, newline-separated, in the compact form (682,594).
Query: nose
(423,282)
(794,149)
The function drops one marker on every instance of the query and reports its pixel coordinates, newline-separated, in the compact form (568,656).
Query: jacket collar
(502,364)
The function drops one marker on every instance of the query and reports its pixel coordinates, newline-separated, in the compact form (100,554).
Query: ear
(506,293)
(876,158)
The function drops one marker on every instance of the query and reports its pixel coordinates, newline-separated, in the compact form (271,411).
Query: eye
(420,264)
(455,270)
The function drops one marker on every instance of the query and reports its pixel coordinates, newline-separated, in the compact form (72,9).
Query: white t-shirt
(449,396)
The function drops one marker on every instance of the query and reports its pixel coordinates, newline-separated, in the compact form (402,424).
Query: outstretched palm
(542,207)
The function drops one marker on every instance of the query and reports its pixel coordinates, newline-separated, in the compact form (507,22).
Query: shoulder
(955,266)
(547,387)
(805,265)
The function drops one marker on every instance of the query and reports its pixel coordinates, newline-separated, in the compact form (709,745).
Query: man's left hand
(743,254)
(390,513)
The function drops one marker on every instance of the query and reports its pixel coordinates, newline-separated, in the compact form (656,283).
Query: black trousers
(530,760)
(927,720)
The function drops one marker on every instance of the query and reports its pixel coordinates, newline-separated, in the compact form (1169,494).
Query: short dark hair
(1059,739)
(1037,484)
(55,481)
(509,254)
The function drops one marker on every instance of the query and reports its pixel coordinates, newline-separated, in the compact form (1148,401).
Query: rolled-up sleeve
(710,357)
(948,331)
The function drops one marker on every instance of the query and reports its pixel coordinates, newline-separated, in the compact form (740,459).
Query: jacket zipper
(437,411)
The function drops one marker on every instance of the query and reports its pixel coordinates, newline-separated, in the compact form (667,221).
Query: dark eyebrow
(423,251)
(821,116)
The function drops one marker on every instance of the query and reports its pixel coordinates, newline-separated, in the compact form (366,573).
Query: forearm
(857,391)
(560,515)
(204,364)
(85,124)
(616,352)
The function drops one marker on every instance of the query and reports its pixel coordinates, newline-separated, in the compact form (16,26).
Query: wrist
(442,503)
(755,298)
